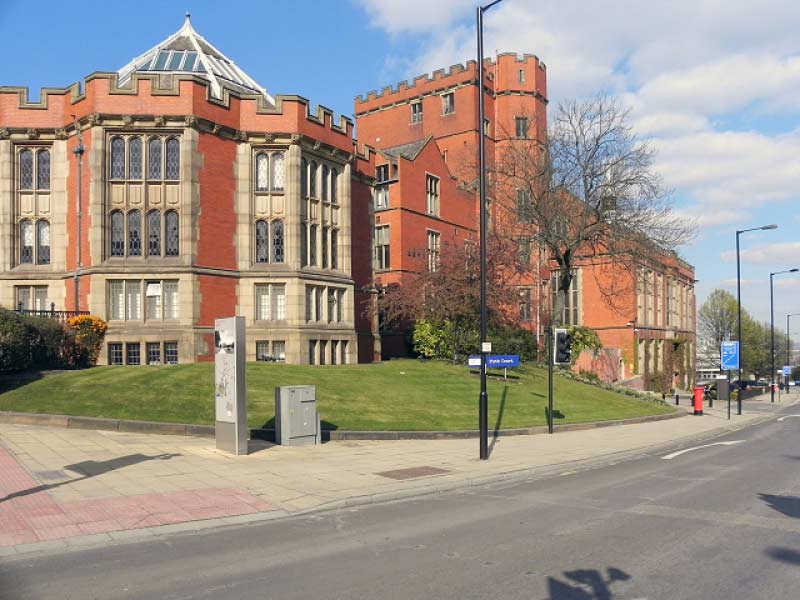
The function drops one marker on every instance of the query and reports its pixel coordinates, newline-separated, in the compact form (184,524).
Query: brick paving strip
(29,514)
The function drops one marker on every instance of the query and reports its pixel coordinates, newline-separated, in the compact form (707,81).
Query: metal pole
(483,401)
(78,151)
(771,340)
(550,379)
(739,324)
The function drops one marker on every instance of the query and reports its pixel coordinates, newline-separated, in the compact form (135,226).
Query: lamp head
(795,270)
(765,227)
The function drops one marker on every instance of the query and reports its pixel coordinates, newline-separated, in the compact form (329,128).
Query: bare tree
(445,288)
(589,190)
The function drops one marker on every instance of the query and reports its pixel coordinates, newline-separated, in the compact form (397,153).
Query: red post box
(699,390)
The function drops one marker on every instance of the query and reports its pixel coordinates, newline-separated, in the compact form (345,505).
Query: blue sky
(714,86)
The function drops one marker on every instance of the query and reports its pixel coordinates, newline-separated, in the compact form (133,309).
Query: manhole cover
(412,472)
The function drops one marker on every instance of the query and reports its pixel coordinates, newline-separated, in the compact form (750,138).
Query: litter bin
(699,390)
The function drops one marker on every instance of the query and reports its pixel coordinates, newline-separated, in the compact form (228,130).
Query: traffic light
(563,347)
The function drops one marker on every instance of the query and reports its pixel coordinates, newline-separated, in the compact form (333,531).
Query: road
(719,521)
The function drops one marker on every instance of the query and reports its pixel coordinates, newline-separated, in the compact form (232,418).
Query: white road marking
(679,452)
(786,417)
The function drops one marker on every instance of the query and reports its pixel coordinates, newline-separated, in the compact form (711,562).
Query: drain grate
(412,472)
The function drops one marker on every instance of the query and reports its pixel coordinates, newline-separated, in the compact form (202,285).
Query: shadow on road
(786,555)
(788,505)
(91,468)
(585,584)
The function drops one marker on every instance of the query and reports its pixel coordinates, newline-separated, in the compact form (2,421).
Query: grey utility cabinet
(296,416)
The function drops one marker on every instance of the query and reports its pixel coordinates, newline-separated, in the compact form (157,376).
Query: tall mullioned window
(382,251)
(432,194)
(269,172)
(521,126)
(433,251)
(268,188)
(448,103)
(32,206)
(571,310)
(143,176)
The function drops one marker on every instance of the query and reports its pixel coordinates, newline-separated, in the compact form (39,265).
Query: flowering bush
(89,332)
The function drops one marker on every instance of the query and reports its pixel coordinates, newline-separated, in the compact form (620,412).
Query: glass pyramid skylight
(186,51)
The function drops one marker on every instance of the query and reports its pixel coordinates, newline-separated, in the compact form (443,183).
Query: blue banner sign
(787,370)
(729,354)
(497,361)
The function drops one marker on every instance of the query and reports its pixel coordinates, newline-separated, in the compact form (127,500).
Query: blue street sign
(730,355)
(787,370)
(498,361)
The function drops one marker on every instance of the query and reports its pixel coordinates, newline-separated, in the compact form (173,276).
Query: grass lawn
(394,395)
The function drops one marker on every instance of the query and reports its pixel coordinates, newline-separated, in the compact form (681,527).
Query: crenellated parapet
(145,96)
(459,74)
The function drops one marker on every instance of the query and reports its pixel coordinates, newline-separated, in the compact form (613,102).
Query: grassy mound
(395,395)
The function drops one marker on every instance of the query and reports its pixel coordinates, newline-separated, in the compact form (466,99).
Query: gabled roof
(187,52)
(408,151)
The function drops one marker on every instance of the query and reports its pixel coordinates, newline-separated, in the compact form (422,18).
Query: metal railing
(59,315)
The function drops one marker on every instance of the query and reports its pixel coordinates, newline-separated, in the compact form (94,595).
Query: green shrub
(16,337)
(434,340)
(583,338)
(514,340)
(37,342)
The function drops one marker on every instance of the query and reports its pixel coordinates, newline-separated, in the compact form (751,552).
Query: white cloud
(774,255)
(788,284)
(730,173)
(731,283)
(726,86)
(396,16)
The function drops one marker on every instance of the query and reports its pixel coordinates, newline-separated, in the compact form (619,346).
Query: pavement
(67,488)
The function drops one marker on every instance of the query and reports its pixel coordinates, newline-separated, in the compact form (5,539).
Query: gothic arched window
(43,242)
(173,169)
(43,170)
(334,186)
(326,175)
(134,233)
(154,158)
(277,241)
(262,172)
(135,158)
(171,225)
(117,233)
(277,172)
(262,242)
(154,233)
(117,158)
(25,242)
(26,170)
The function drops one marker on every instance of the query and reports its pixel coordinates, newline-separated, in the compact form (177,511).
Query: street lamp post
(483,399)
(772,332)
(739,308)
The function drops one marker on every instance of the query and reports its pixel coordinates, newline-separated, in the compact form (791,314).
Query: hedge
(40,343)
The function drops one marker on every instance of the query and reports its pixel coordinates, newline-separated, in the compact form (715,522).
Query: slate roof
(409,151)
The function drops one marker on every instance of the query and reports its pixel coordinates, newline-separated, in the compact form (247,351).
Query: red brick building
(427,135)
(202,196)
(644,313)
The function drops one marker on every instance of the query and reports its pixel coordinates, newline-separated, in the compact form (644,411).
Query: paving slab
(95,487)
